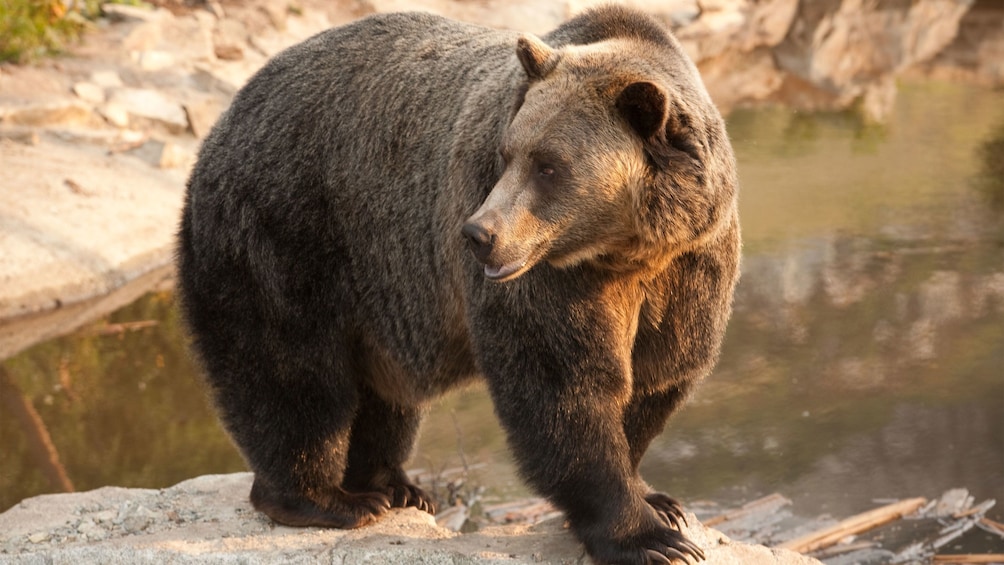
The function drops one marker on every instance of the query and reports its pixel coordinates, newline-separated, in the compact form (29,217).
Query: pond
(865,359)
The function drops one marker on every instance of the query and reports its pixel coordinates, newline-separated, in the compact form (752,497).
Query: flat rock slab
(78,221)
(209,520)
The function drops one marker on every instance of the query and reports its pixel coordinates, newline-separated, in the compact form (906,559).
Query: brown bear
(405,204)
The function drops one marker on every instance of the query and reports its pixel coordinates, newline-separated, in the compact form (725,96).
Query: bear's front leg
(559,374)
(568,439)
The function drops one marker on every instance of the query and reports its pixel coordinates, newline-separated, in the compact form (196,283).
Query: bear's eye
(546,171)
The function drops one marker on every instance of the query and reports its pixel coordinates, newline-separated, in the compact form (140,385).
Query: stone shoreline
(208,520)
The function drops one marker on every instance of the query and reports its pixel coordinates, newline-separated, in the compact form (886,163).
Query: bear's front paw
(668,509)
(658,545)
(350,510)
(403,495)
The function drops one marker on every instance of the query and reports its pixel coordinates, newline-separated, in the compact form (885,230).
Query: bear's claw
(668,508)
(674,547)
(405,495)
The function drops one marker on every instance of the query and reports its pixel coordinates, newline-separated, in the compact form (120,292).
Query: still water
(865,359)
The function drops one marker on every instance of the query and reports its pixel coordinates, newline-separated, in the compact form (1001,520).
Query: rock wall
(977,52)
(811,54)
(209,520)
(850,51)
(808,54)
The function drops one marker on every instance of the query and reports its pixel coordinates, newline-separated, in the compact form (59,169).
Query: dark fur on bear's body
(331,293)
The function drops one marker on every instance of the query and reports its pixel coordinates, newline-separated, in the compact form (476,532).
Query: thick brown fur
(347,217)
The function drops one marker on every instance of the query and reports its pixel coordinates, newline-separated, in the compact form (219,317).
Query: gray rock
(62,112)
(221,527)
(25,135)
(144,36)
(89,92)
(151,107)
(106,79)
(155,60)
(91,531)
(841,46)
(124,12)
(135,524)
(163,154)
(977,53)
(769,22)
(202,112)
(230,39)
(163,40)
(190,39)
(115,114)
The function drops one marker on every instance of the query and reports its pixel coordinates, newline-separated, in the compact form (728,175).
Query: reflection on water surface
(865,359)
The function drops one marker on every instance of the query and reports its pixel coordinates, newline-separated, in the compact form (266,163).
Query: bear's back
(374,89)
(315,197)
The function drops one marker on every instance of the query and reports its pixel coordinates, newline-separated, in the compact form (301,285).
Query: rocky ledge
(209,520)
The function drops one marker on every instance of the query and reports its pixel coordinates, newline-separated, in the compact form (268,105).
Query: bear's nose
(480,240)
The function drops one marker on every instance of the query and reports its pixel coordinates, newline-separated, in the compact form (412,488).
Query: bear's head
(614,154)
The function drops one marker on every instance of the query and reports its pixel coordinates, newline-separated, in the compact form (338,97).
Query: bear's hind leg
(382,438)
(299,456)
(340,509)
(291,415)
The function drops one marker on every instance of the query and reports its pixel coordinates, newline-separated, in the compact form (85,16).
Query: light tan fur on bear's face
(573,168)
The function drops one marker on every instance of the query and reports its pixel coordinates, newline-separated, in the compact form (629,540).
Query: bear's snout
(480,240)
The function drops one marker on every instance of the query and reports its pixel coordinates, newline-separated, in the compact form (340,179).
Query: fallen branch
(991,526)
(853,526)
(970,558)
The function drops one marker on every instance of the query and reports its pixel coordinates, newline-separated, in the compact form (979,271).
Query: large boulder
(849,51)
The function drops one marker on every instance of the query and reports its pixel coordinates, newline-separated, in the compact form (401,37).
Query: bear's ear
(537,57)
(644,106)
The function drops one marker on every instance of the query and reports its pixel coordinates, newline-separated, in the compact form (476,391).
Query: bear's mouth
(509,271)
(512,269)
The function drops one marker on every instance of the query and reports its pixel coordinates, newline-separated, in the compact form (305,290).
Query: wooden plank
(964,558)
(853,525)
(992,526)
